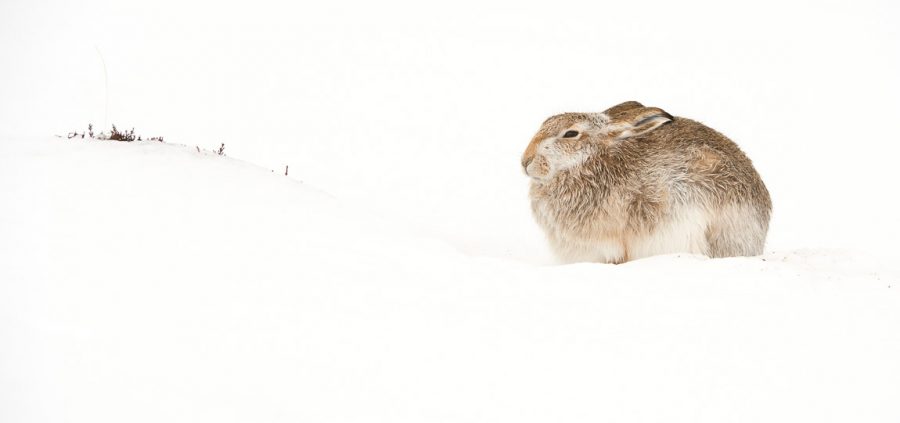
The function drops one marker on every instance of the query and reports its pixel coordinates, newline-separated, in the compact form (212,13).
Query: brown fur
(638,175)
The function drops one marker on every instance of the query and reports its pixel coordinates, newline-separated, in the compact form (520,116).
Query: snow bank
(151,282)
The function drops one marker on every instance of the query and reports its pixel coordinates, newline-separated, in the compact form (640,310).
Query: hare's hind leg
(737,230)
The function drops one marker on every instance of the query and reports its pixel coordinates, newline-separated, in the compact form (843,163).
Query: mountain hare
(635,181)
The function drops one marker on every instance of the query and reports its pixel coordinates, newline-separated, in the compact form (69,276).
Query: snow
(151,282)
(396,274)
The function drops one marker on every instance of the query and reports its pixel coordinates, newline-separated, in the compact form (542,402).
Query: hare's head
(567,140)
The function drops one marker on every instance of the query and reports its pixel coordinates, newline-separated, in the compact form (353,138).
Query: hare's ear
(618,109)
(637,121)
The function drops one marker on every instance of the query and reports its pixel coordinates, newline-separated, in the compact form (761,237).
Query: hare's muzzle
(525,162)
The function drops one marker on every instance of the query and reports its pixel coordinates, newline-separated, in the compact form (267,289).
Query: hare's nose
(526,162)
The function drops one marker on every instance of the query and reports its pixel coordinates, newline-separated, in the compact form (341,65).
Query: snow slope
(152,282)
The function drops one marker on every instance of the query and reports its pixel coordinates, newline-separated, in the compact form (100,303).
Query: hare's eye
(570,134)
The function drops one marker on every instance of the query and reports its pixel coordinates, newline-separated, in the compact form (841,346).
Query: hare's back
(703,161)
